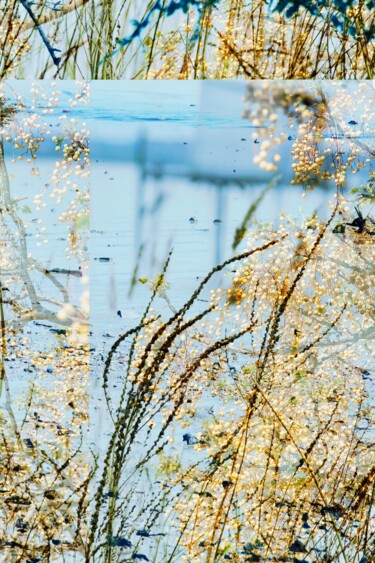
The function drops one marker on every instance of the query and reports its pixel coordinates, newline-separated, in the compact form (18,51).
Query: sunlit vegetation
(240,425)
(244,429)
(331,138)
(267,387)
(44,463)
(187,39)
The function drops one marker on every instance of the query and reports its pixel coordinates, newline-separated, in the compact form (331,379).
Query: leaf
(82,222)
(300,375)
(241,230)
(59,140)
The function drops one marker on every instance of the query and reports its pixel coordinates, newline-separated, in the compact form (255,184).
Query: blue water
(173,169)
(163,153)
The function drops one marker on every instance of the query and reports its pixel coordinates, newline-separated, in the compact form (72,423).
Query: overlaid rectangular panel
(232,283)
(44,316)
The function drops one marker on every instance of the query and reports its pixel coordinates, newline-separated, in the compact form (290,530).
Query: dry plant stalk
(191,39)
(282,457)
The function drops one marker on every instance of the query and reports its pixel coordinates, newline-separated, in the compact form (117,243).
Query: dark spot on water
(143,533)
(119,314)
(217,221)
(15,499)
(227,484)
(192,220)
(59,331)
(192,440)
(117,541)
(13,544)
(50,495)
(189,439)
(254,557)
(332,510)
(21,526)
(140,556)
(29,443)
(298,547)
(352,122)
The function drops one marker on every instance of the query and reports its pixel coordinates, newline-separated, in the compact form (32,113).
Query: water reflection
(184,176)
(179,203)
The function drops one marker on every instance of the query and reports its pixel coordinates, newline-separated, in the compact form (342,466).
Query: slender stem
(3,338)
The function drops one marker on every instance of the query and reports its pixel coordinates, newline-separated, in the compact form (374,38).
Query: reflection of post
(140,161)
(220,212)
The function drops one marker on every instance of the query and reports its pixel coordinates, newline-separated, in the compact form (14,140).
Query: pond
(181,172)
